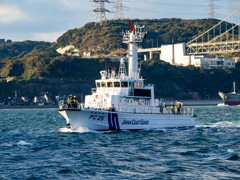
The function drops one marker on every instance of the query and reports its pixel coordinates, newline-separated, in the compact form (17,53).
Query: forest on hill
(29,62)
(160,31)
(13,49)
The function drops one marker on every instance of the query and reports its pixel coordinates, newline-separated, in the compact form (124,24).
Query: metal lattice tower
(211,12)
(100,10)
(118,9)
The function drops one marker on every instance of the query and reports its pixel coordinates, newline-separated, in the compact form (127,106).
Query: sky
(46,20)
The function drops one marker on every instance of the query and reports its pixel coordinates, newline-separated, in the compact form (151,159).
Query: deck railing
(131,109)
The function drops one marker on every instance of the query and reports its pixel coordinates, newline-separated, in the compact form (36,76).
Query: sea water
(37,144)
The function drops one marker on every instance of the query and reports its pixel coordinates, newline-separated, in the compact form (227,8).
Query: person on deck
(74,102)
(179,108)
(172,106)
(69,102)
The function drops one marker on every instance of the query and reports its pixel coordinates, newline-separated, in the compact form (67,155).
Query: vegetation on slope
(109,35)
(13,49)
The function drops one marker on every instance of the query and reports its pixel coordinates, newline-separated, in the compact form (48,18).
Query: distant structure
(211,12)
(2,41)
(212,62)
(100,11)
(118,9)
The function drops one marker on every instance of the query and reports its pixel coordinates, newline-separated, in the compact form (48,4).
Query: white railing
(137,109)
(64,105)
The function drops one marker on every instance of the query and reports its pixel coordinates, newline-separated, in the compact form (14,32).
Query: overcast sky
(48,19)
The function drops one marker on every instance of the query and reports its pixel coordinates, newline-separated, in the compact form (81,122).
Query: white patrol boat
(124,102)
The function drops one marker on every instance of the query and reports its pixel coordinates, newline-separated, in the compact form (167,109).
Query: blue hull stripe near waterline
(113,121)
(115,118)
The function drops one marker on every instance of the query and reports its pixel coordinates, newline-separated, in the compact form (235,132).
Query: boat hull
(230,99)
(105,120)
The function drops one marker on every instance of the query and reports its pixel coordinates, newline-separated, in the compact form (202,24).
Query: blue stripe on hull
(113,121)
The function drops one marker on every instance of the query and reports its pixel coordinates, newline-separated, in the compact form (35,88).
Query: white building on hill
(210,63)
(176,54)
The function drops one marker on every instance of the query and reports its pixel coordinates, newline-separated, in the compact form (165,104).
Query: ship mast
(234,88)
(132,38)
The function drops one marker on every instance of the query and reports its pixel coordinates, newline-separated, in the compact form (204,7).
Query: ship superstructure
(122,91)
(124,101)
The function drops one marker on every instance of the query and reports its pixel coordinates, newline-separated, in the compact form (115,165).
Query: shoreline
(28,107)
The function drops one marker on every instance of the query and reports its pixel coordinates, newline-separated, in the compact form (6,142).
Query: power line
(100,10)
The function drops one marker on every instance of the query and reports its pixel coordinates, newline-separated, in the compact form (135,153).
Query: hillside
(109,35)
(13,49)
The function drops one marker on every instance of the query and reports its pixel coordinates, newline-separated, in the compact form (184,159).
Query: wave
(23,143)
(221,124)
(6,145)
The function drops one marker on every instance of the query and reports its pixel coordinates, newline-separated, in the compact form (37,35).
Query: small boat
(232,98)
(123,101)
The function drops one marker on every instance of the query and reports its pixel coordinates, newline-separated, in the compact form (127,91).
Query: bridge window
(98,84)
(110,84)
(138,84)
(103,84)
(124,84)
(116,84)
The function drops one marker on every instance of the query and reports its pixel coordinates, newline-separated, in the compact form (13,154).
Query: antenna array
(100,10)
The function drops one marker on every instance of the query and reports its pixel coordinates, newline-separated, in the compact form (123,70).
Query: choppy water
(35,144)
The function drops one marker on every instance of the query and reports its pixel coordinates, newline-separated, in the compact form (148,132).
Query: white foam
(65,130)
(6,145)
(223,123)
(23,143)
(230,151)
(81,130)
(220,124)
(222,104)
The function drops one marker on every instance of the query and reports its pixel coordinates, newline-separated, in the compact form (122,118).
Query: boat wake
(81,130)
(222,124)
(222,104)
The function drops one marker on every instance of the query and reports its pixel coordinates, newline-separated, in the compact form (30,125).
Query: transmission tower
(118,9)
(100,10)
(211,12)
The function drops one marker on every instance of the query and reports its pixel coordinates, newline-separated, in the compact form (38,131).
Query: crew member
(74,102)
(69,102)
(179,108)
(164,105)
(172,106)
